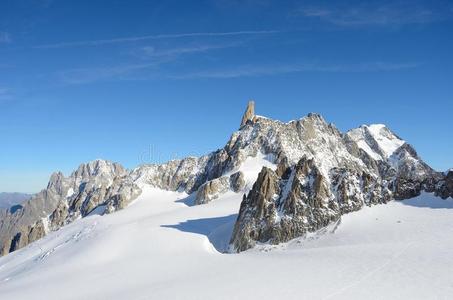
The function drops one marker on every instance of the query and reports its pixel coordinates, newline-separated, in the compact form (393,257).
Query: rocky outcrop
(213,189)
(98,185)
(444,187)
(237,182)
(279,209)
(256,209)
(249,113)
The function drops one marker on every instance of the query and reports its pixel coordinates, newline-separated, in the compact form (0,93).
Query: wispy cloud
(4,37)
(256,71)
(125,72)
(387,14)
(89,75)
(153,37)
(153,57)
(151,51)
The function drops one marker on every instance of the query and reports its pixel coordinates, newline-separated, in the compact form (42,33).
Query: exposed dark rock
(444,187)
(280,209)
(257,208)
(237,182)
(214,188)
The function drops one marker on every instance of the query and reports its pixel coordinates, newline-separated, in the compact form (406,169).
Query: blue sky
(147,81)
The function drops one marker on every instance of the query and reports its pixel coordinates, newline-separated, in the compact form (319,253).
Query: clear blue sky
(146,81)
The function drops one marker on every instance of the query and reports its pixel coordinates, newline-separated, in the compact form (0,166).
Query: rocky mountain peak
(249,113)
(98,167)
(376,140)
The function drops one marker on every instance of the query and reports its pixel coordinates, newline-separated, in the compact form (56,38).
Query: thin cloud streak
(157,57)
(153,37)
(150,51)
(391,14)
(90,75)
(256,71)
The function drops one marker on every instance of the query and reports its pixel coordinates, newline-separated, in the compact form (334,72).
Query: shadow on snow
(189,200)
(429,201)
(218,230)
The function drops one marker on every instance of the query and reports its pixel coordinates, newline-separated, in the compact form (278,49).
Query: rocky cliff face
(319,175)
(98,184)
(444,187)
(336,174)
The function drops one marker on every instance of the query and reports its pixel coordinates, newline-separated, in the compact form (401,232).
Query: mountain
(8,200)
(322,174)
(98,185)
(296,178)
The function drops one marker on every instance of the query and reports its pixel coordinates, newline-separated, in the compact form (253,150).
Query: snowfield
(161,247)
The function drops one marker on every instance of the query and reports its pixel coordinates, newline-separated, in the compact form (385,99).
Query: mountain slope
(320,174)
(400,250)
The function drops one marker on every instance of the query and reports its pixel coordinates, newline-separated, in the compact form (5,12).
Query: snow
(382,143)
(364,146)
(387,141)
(70,192)
(45,222)
(252,166)
(160,248)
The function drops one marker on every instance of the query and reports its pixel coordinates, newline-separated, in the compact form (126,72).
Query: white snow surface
(383,144)
(160,248)
(387,141)
(252,166)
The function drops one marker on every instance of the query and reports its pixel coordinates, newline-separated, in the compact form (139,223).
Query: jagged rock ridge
(98,184)
(321,174)
(336,174)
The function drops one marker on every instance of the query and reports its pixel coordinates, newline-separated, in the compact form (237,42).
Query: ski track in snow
(369,274)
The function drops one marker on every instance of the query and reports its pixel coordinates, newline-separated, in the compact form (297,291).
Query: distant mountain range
(312,175)
(10,199)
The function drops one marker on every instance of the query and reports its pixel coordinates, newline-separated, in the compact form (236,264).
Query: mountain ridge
(302,147)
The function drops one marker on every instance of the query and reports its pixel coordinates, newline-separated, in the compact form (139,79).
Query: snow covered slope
(376,140)
(161,248)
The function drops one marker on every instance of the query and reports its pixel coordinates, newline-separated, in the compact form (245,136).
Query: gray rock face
(213,189)
(249,113)
(95,184)
(237,182)
(280,209)
(257,214)
(444,187)
(323,174)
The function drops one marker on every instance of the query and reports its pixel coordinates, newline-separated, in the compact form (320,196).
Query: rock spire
(249,113)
